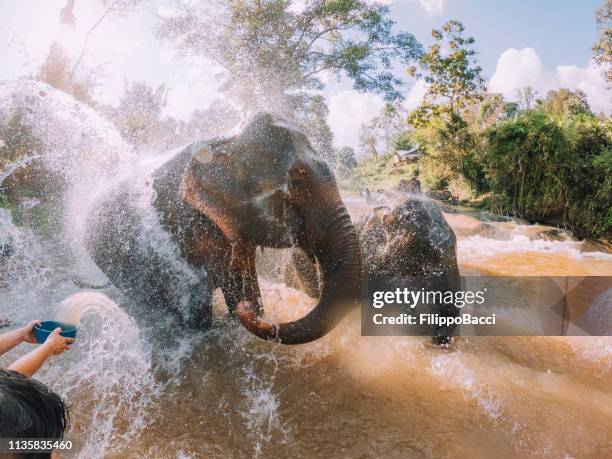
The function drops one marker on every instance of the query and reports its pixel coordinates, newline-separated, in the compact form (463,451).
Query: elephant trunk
(334,242)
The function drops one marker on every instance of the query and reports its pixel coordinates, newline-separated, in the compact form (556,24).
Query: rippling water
(157,390)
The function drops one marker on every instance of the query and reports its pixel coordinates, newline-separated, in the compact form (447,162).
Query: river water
(143,389)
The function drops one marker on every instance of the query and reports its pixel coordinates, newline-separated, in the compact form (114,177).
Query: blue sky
(562,31)
(545,44)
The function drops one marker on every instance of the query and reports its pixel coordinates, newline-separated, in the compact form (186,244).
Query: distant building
(403,157)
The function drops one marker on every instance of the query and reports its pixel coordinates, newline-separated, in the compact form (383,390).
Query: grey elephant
(412,241)
(407,240)
(216,202)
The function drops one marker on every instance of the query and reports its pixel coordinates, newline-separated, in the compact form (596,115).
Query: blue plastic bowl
(45,328)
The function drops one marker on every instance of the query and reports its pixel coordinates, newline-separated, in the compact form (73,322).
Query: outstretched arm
(31,362)
(11,339)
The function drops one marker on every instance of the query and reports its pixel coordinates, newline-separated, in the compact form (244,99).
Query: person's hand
(56,343)
(27,332)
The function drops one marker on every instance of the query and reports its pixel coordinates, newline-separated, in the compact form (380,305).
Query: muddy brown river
(136,391)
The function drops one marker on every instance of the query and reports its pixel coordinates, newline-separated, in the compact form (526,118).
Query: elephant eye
(298,178)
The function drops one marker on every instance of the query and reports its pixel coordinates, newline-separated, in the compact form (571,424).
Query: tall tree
(367,140)
(313,119)
(526,97)
(456,87)
(390,124)
(383,130)
(272,49)
(346,161)
(450,68)
(67,73)
(602,50)
(138,115)
(564,103)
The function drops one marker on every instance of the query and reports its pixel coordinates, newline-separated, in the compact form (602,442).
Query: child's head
(29,410)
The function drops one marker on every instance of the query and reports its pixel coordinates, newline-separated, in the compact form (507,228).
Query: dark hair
(28,409)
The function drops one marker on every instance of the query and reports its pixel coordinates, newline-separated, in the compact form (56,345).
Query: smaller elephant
(412,240)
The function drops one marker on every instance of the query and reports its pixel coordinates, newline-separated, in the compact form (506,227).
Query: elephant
(412,240)
(409,239)
(216,202)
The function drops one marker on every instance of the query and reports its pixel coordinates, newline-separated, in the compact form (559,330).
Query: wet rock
(589,245)
(490,231)
(439,195)
(553,234)
(412,186)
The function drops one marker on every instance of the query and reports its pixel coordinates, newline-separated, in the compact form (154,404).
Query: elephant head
(265,187)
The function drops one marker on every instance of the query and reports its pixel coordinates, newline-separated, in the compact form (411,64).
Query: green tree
(491,109)
(563,104)
(390,124)
(138,114)
(384,129)
(528,161)
(345,161)
(367,140)
(441,125)
(450,68)
(453,155)
(526,97)
(556,170)
(405,141)
(312,118)
(272,49)
(590,208)
(602,51)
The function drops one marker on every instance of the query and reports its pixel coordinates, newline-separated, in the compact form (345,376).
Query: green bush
(529,162)
(590,210)
(550,170)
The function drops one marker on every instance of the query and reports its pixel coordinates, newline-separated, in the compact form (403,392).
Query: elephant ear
(211,186)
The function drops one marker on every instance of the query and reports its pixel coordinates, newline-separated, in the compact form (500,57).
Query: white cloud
(588,79)
(415,96)
(517,68)
(348,110)
(433,6)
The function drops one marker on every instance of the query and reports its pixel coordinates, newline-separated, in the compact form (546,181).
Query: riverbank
(383,176)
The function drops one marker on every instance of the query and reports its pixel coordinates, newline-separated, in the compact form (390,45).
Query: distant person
(31,362)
